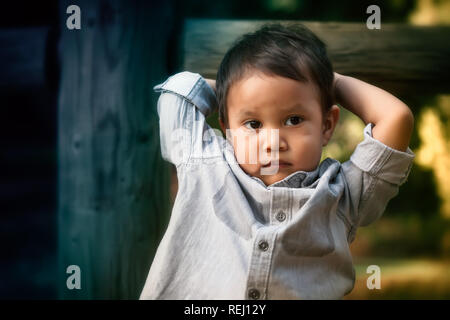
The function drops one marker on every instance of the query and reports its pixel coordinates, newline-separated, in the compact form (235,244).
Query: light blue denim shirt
(232,237)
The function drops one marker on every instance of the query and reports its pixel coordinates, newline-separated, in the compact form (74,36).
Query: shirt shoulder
(192,87)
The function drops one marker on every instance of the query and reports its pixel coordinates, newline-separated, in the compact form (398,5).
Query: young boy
(260,218)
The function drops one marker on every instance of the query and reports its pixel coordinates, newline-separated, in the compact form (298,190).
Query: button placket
(260,268)
(263,245)
(280,205)
(254,294)
(281,216)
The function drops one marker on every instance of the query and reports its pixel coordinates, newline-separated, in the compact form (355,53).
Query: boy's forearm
(392,118)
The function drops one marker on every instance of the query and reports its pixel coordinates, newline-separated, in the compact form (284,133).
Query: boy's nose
(272,141)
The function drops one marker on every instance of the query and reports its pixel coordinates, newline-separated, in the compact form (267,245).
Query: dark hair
(291,50)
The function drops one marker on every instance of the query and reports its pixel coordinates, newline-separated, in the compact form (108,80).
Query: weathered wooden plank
(22,57)
(113,186)
(401,58)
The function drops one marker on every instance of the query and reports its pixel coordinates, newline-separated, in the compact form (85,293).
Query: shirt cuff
(192,87)
(382,161)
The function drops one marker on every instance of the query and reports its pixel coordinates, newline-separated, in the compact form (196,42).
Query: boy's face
(272,119)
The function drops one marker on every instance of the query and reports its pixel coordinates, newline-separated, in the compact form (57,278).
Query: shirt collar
(298,179)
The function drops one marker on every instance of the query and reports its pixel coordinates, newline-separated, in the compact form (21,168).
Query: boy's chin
(273,178)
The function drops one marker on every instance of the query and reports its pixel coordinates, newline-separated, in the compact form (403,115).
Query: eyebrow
(295,107)
(244,113)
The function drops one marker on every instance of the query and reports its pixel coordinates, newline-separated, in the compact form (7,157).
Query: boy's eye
(294,120)
(253,124)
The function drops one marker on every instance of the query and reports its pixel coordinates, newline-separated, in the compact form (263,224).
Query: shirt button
(253,294)
(281,216)
(263,245)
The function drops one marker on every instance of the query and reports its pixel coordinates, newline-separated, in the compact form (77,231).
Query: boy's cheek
(246,153)
(306,156)
(246,150)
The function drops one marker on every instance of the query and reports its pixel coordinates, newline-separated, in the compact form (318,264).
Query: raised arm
(212,83)
(393,120)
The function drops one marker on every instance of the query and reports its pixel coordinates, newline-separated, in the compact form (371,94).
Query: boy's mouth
(280,164)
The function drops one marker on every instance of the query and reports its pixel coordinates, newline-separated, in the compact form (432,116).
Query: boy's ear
(329,124)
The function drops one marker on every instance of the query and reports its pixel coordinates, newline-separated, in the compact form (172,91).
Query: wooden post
(113,186)
(399,58)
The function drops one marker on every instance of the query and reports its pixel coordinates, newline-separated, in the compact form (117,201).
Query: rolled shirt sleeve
(186,100)
(374,174)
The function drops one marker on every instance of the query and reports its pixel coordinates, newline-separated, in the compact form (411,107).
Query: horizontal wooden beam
(401,58)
